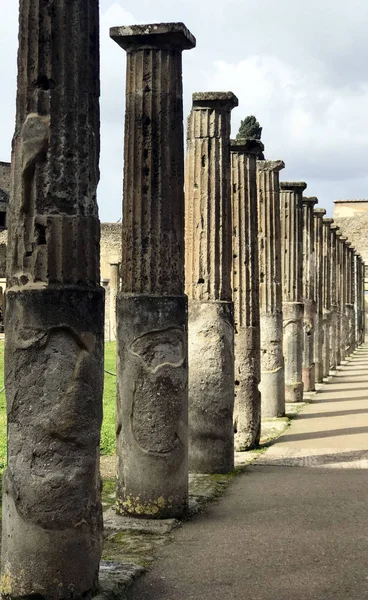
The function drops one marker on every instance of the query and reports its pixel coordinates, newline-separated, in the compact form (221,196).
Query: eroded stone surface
(52,517)
(292,272)
(309,298)
(272,385)
(247,411)
(208,247)
(152,369)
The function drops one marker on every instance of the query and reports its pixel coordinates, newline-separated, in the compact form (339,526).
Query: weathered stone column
(208,264)
(360,298)
(342,298)
(272,386)
(291,194)
(113,292)
(362,301)
(309,276)
(335,295)
(357,298)
(152,370)
(318,328)
(350,293)
(247,411)
(52,518)
(326,294)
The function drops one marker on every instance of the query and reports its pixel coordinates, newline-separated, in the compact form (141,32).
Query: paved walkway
(283,533)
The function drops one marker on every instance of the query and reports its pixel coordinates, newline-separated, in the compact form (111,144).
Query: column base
(152,406)
(294,392)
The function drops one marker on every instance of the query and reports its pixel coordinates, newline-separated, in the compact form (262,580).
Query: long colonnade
(274,293)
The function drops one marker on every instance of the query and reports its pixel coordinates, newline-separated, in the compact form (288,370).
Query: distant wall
(5,177)
(352,218)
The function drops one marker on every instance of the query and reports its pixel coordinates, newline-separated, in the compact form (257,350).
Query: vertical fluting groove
(208,213)
(152,318)
(54,316)
(272,385)
(155,229)
(54,125)
(208,239)
(269,235)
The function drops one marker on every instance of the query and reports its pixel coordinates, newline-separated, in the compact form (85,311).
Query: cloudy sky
(300,66)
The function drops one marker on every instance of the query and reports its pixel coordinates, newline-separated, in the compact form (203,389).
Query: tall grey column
(113,292)
(362,301)
(361,298)
(247,411)
(208,263)
(272,386)
(335,357)
(342,298)
(357,298)
(291,195)
(152,369)
(309,275)
(350,294)
(52,518)
(318,269)
(326,294)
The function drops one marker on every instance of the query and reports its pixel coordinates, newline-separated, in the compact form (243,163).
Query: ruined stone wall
(352,218)
(5,177)
(110,247)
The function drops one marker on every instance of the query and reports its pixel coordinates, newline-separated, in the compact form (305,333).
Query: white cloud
(319,130)
(300,67)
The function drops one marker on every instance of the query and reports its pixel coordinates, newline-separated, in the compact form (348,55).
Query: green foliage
(249,129)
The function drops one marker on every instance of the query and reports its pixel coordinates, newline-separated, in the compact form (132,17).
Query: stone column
(309,276)
(113,292)
(152,369)
(319,327)
(357,298)
(208,263)
(52,518)
(326,294)
(272,386)
(342,298)
(362,302)
(291,194)
(335,295)
(360,298)
(247,411)
(350,293)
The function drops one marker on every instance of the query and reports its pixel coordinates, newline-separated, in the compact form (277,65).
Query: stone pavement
(283,533)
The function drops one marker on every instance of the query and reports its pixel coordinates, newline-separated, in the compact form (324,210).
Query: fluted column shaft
(361,298)
(208,263)
(318,269)
(335,356)
(291,194)
(358,297)
(363,301)
(309,300)
(342,298)
(350,298)
(326,294)
(152,370)
(52,517)
(247,411)
(272,386)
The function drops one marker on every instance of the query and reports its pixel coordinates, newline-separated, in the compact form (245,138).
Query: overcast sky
(300,66)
